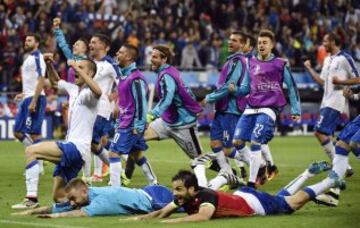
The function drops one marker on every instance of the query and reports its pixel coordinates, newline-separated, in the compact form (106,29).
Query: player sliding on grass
(69,155)
(203,204)
(85,201)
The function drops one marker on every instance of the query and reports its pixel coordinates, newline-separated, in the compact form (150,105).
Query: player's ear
(191,189)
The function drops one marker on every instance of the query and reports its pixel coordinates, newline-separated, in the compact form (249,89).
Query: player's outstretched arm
(60,39)
(51,72)
(351,81)
(87,78)
(204,214)
(68,214)
(313,73)
(162,213)
(36,211)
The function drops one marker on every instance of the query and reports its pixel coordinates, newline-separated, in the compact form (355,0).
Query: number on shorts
(258,129)
(320,121)
(116,137)
(28,121)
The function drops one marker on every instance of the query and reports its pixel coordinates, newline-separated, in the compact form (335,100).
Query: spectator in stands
(189,56)
(305,21)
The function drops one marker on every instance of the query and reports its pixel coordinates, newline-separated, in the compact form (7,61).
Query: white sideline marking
(37,224)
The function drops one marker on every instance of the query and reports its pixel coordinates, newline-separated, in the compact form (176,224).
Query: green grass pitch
(291,154)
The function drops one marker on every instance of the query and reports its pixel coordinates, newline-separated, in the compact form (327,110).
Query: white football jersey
(32,68)
(82,115)
(106,75)
(343,67)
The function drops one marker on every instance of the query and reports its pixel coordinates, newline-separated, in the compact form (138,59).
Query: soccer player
(79,48)
(175,115)
(31,113)
(107,74)
(264,84)
(78,52)
(272,170)
(70,154)
(129,136)
(348,140)
(203,204)
(228,107)
(83,201)
(340,65)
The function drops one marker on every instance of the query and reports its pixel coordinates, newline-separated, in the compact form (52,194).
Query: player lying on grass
(68,155)
(101,201)
(202,204)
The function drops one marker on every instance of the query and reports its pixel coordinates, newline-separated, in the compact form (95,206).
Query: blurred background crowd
(196,29)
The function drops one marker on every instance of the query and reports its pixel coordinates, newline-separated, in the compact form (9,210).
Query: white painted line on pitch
(188,162)
(37,224)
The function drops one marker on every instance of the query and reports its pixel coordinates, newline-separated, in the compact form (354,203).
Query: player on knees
(70,154)
(31,113)
(129,136)
(264,84)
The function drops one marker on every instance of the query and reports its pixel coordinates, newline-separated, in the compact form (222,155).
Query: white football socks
(32,173)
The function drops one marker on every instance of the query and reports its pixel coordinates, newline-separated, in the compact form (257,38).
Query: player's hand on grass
(295,118)
(56,23)
(46,216)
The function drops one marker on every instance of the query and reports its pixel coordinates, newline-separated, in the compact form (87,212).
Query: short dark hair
(165,52)
(251,39)
(334,37)
(103,38)
(92,66)
(82,39)
(241,34)
(36,36)
(74,183)
(267,33)
(188,178)
(134,52)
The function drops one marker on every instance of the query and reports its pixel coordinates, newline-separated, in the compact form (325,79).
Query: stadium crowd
(196,30)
